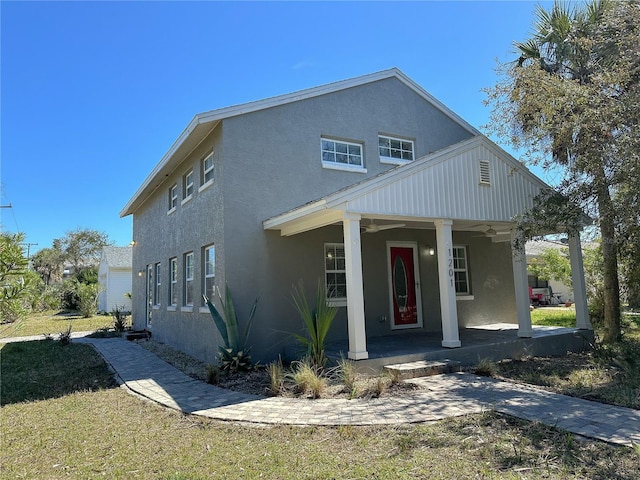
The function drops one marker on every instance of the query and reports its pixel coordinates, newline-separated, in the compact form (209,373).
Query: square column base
(358,355)
(451,343)
(525,333)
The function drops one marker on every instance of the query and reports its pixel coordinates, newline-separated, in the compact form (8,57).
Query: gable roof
(443,184)
(204,123)
(117,257)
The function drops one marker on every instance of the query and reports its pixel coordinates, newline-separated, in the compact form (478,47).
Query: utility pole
(6,206)
(28,244)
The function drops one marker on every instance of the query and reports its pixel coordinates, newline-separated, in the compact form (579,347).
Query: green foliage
(14,278)
(49,263)
(348,374)
(233,354)
(120,316)
(87,275)
(552,264)
(82,247)
(213,375)
(317,322)
(87,299)
(65,336)
(486,368)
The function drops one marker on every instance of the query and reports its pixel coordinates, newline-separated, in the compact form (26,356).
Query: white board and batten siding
(448,185)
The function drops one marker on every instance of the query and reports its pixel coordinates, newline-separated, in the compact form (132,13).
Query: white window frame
(389,159)
(334,301)
(188,280)
(173,198)
(204,171)
(334,164)
(464,269)
(187,186)
(157,285)
(208,272)
(172,301)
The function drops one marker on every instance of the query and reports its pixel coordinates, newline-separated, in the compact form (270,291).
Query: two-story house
(402,209)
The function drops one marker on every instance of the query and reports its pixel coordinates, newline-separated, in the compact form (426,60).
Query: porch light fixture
(140,273)
(430,250)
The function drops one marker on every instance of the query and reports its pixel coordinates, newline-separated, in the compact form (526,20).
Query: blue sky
(94,93)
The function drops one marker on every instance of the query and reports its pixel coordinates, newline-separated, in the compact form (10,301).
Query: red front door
(404,286)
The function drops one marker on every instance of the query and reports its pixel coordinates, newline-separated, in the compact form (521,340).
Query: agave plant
(317,322)
(233,355)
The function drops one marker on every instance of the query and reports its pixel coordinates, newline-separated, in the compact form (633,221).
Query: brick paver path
(443,396)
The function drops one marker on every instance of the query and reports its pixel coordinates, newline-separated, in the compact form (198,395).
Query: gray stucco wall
(268,162)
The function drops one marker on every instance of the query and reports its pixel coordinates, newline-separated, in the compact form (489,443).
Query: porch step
(423,368)
(138,335)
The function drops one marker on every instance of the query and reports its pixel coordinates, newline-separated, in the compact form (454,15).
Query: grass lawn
(62,417)
(54,323)
(554,316)
(609,373)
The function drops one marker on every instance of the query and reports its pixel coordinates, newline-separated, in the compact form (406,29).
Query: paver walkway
(443,396)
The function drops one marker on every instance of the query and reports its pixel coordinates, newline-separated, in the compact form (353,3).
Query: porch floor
(493,342)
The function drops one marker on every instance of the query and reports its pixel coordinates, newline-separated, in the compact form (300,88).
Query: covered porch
(473,188)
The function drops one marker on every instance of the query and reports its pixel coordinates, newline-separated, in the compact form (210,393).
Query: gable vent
(485,178)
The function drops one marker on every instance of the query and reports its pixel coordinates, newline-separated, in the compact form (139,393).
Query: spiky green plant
(317,322)
(233,354)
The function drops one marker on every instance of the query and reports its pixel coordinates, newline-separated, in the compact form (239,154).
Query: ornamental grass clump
(276,376)
(233,354)
(308,379)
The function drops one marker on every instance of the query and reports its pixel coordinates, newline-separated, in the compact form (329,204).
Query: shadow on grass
(44,369)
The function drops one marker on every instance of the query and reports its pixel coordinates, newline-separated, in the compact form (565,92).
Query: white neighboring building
(114,276)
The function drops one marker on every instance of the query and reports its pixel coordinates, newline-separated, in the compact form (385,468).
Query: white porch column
(355,292)
(579,286)
(521,284)
(448,307)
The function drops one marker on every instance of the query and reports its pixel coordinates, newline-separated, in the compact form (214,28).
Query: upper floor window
(335,273)
(461,271)
(395,150)
(173,282)
(187,185)
(341,155)
(209,271)
(156,291)
(206,175)
(173,197)
(188,279)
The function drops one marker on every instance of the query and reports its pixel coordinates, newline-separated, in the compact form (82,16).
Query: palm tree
(565,45)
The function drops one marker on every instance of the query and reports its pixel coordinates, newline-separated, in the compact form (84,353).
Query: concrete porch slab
(491,342)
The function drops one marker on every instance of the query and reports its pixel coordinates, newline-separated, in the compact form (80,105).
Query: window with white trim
(395,150)
(188,280)
(341,154)
(335,273)
(157,285)
(461,270)
(206,175)
(209,272)
(173,282)
(187,185)
(173,197)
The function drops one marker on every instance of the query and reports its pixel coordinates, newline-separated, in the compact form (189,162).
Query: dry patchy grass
(51,323)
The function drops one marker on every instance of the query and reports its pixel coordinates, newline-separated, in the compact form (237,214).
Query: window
(209,272)
(335,273)
(173,282)
(206,175)
(187,185)
(156,290)
(485,178)
(395,150)
(461,271)
(188,279)
(342,155)
(173,197)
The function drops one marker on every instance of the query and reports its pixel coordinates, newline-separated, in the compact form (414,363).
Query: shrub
(317,322)
(348,374)
(486,368)
(120,316)
(88,299)
(233,355)
(65,337)
(213,375)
